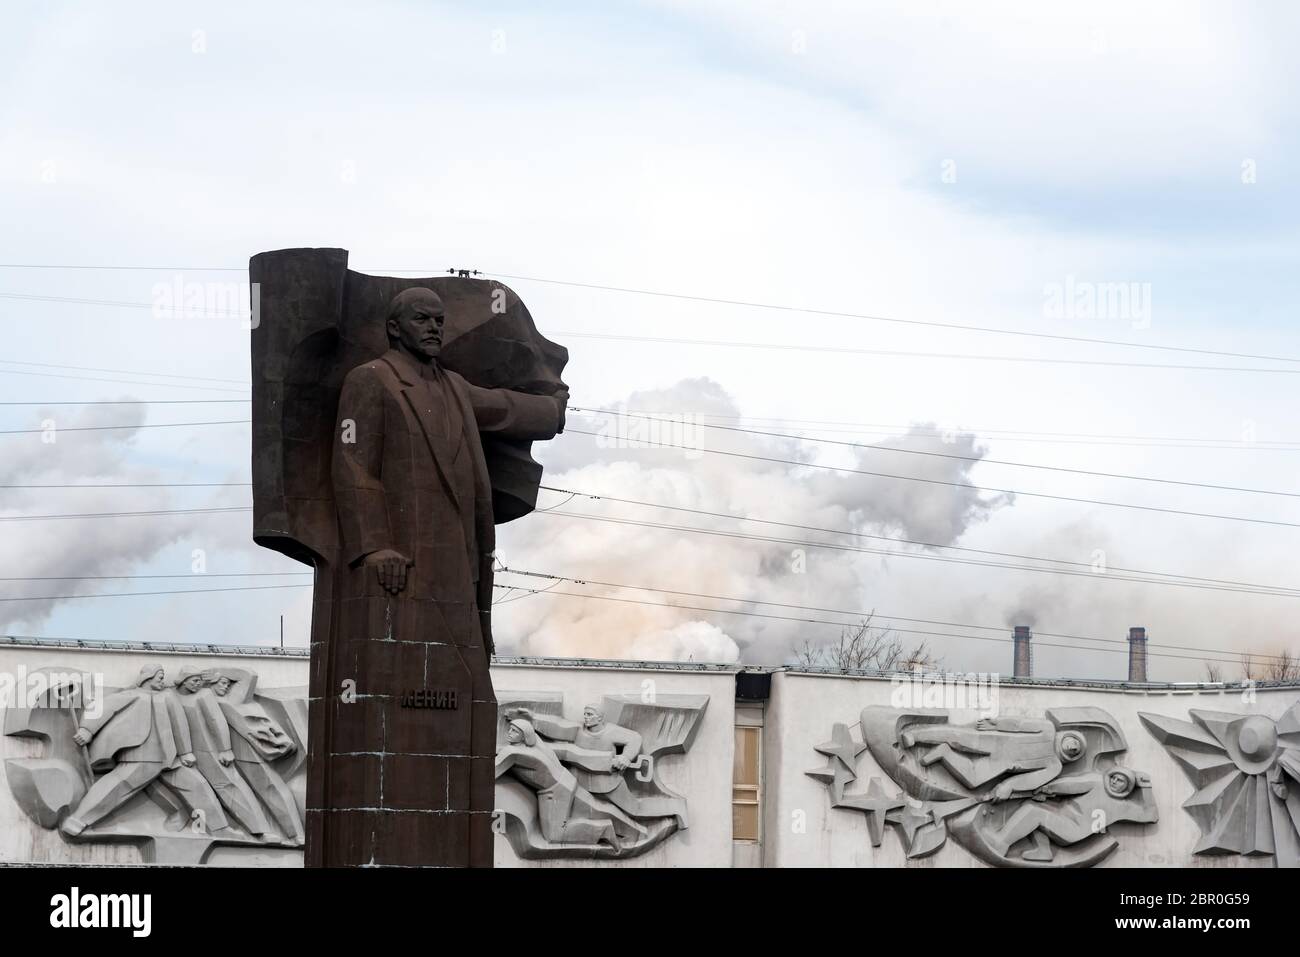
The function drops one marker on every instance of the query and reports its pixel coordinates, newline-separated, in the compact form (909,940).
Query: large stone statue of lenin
(392,425)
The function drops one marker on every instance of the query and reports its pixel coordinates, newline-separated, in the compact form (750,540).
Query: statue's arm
(1031,780)
(557,729)
(357,466)
(583,758)
(181,724)
(631,742)
(505,761)
(112,705)
(216,722)
(517,415)
(1069,787)
(1020,725)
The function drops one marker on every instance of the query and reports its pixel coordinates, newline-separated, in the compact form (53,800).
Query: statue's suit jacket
(138,725)
(415,480)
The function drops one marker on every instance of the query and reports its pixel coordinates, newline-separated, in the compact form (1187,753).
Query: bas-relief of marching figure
(199,751)
(210,735)
(256,741)
(143,735)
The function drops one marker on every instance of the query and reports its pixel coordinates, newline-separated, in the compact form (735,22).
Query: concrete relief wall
(673,810)
(869,772)
(635,765)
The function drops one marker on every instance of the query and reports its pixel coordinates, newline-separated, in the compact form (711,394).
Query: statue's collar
(409,370)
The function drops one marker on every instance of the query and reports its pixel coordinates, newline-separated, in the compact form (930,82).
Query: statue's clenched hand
(391,568)
(562,401)
(82,737)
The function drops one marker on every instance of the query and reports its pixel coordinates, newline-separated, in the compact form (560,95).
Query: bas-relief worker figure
(1018,792)
(142,735)
(212,749)
(393,421)
(590,788)
(561,800)
(1246,773)
(158,766)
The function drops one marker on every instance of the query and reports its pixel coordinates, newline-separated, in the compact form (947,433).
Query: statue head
(189,681)
(153,677)
(1070,745)
(521,729)
(221,683)
(414,323)
(1120,782)
(593,718)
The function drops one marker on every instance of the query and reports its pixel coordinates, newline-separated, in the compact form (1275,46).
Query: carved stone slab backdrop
(174,764)
(392,422)
(590,788)
(1014,792)
(1246,771)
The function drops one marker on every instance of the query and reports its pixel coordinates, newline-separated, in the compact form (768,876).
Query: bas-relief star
(839,771)
(835,776)
(842,746)
(913,818)
(876,804)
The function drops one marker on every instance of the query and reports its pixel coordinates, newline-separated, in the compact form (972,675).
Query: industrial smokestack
(1023,660)
(1137,654)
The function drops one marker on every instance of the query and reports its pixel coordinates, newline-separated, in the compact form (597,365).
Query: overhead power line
(966,485)
(803,348)
(841,624)
(750,304)
(859,614)
(980,459)
(161,375)
(688,297)
(905,541)
(1135,576)
(903,354)
(139,594)
(134,401)
(114,428)
(920,556)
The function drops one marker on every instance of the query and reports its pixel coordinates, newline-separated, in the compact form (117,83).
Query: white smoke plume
(59,455)
(616,543)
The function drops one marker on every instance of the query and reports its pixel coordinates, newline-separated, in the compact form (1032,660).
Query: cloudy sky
(1094,171)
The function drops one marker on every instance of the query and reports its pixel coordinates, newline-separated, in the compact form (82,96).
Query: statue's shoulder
(376,372)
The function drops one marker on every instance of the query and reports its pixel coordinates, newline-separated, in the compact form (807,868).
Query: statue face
(591,718)
(222,686)
(514,735)
(1117,783)
(1071,746)
(419,327)
(159,681)
(192,684)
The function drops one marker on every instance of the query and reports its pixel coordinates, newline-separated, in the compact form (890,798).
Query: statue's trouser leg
(1032,817)
(947,734)
(647,806)
(973,774)
(277,796)
(233,794)
(196,793)
(114,788)
(554,806)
